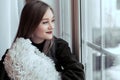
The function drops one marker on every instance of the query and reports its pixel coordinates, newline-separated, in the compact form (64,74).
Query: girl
(37,25)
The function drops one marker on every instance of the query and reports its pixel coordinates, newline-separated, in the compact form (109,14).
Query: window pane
(101,31)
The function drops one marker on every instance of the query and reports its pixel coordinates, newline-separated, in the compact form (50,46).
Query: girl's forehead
(48,14)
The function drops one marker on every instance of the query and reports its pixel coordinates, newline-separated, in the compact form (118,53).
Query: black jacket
(65,62)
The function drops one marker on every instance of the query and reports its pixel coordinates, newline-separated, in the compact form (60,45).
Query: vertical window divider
(75,29)
(102,41)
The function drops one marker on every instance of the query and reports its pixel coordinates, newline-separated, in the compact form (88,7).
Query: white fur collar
(26,62)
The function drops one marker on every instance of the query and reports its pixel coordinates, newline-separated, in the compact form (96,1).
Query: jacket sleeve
(72,69)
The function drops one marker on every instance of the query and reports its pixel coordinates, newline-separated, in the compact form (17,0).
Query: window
(100,39)
(70,23)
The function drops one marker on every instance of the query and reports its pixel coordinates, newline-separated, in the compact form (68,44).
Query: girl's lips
(50,32)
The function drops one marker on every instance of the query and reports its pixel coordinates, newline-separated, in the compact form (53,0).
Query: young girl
(37,25)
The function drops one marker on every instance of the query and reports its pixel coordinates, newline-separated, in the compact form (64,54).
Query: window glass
(101,38)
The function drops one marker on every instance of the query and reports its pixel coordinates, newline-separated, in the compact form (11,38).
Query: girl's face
(45,28)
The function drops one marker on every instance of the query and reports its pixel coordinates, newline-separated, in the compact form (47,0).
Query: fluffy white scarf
(26,62)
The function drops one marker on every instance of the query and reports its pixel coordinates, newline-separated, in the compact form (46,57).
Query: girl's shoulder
(61,44)
(60,41)
(4,55)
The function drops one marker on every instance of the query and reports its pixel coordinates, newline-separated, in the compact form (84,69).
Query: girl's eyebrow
(45,19)
(48,18)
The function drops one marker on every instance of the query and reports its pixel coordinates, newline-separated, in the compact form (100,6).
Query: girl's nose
(51,25)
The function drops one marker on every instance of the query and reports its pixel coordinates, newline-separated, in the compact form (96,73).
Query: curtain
(9,19)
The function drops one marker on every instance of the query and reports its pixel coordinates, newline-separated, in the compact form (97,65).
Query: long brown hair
(31,16)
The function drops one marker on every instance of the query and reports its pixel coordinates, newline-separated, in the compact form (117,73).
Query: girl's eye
(53,20)
(45,22)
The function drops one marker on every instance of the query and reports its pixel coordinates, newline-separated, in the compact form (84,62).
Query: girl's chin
(49,38)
